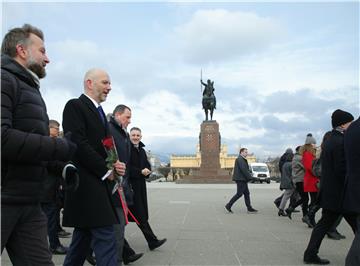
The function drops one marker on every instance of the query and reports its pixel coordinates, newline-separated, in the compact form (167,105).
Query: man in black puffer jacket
(25,147)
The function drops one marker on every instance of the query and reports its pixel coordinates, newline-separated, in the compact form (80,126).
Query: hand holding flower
(120,168)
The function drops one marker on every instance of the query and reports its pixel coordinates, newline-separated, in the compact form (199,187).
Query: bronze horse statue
(209,99)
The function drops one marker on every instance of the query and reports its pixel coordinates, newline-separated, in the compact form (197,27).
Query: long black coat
(123,147)
(352,155)
(90,205)
(25,143)
(333,170)
(139,161)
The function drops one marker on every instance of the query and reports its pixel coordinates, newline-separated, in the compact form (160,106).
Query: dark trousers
(241,189)
(127,250)
(353,256)
(327,220)
(303,201)
(24,235)
(51,211)
(293,199)
(119,230)
(101,239)
(148,234)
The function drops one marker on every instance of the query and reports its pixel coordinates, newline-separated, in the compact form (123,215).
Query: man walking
(49,201)
(333,170)
(352,187)
(119,122)
(241,176)
(25,147)
(90,209)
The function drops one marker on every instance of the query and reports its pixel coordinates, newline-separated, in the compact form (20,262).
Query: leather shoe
(316,260)
(228,208)
(59,250)
(289,211)
(132,258)
(281,213)
(156,244)
(340,235)
(333,235)
(91,259)
(307,220)
(251,210)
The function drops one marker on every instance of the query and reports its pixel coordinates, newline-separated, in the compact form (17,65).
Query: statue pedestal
(210,171)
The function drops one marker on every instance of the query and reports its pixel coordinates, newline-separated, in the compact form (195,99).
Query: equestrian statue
(209,99)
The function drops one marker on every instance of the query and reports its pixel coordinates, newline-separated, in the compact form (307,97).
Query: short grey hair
(17,36)
(121,109)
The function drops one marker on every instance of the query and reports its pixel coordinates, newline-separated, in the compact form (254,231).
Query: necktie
(101,113)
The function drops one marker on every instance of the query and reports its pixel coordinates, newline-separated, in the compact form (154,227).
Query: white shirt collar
(92,100)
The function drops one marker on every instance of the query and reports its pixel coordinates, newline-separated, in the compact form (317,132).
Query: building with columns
(193,161)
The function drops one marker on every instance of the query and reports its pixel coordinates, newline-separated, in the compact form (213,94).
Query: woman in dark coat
(139,170)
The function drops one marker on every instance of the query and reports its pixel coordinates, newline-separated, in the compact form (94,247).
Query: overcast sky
(279,69)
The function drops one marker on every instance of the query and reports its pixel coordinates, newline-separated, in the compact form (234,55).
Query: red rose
(108,143)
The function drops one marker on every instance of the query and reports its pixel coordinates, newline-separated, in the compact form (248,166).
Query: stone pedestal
(210,171)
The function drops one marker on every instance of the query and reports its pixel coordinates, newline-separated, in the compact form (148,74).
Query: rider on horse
(209,100)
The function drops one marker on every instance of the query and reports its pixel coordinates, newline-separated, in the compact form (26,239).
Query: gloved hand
(71,145)
(71,177)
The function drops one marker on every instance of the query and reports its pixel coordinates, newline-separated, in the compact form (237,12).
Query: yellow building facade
(193,161)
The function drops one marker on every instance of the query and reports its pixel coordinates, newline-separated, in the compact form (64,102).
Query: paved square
(201,232)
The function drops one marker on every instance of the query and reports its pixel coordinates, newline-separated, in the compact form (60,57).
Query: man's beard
(37,68)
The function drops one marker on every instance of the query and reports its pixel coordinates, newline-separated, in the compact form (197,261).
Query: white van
(260,172)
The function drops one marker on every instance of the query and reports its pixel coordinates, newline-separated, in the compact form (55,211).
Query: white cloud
(273,82)
(218,35)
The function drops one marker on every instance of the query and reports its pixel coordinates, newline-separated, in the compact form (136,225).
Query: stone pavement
(200,231)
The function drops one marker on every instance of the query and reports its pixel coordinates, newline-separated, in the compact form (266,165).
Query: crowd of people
(329,176)
(38,166)
(43,173)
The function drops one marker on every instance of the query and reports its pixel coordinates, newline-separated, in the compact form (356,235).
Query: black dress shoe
(333,235)
(251,210)
(289,211)
(316,260)
(59,250)
(308,221)
(340,235)
(156,244)
(91,259)
(228,208)
(281,213)
(132,258)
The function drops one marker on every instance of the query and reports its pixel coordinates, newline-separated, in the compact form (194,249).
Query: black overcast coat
(25,141)
(352,155)
(122,143)
(139,161)
(90,205)
(333,171)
